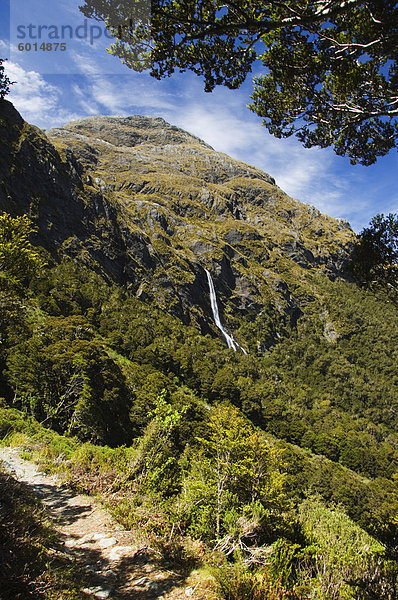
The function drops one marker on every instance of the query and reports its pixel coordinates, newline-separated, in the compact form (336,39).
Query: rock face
(150,206)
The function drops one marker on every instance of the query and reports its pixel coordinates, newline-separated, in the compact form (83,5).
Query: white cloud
(126,95)
(38,101)
(123,94)
(88,105)
(4,48)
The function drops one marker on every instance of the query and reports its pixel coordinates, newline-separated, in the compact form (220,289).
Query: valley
(182,338)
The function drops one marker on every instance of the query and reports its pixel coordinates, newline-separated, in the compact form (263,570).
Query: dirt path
(117,567)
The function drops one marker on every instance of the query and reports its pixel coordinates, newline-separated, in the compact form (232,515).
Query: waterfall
(216,316)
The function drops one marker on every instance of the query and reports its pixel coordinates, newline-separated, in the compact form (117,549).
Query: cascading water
(216,316)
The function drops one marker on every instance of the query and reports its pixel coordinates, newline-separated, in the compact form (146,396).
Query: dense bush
(225,446)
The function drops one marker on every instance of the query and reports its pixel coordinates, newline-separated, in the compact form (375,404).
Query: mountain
(185,296)
(150,207)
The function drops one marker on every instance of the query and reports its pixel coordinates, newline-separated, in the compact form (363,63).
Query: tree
(19,260)
(234,473)
(330,67)
(155,465)
(341,553)
(63,376)
(375,256)
(4,81)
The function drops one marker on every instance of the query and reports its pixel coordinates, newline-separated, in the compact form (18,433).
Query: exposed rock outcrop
(150,206)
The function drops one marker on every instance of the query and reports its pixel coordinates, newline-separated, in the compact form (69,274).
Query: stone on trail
(100,592)
(106,542)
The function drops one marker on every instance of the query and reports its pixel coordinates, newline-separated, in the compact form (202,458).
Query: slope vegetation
(109,337)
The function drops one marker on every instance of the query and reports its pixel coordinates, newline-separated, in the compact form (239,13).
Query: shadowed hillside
(112,233)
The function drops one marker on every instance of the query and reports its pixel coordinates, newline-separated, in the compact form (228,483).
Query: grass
(32,562)
(86,468)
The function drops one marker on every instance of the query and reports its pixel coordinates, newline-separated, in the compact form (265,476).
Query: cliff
(149,206)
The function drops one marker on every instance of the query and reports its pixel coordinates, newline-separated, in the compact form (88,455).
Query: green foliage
(12,421)
(333,532)
(19,262)
(63,377)
(328,397)
(237,582)
(71,290)
(4,81)
(283,562)
(326,392)
(232,474)
(341,553)
(88,467)
(155,466)
(88,359)
(375,256)
(167,417)
(327,556)
(19,259)
(32,564)
(330,69)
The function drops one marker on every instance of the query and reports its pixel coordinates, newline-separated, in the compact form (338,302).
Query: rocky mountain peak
(141,141)
(129,131)
(151,207)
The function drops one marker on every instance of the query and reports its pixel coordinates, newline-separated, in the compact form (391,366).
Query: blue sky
(56,87)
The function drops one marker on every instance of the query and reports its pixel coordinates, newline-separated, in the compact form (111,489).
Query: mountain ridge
(144,127)
(154,215)
(159,256)
(167,191)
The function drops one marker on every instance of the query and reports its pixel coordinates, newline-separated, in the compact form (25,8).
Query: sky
(56,86)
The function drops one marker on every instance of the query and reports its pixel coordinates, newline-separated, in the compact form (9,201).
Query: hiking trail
(117,565)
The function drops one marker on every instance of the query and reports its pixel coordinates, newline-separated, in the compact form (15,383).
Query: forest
(131,251)
(283,463)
